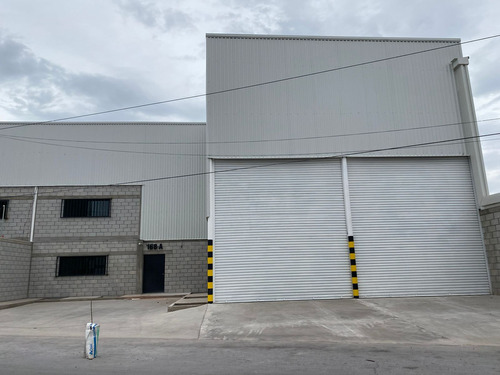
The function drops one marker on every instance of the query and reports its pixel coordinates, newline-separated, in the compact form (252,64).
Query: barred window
(4,205)
(82,265)
(86,208)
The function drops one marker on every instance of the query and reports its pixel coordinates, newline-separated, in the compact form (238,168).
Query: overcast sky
(61,58)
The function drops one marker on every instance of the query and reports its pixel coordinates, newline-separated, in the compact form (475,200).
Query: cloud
(425,18)
(247,17)
(491,155)
(92,55)
(35,87)
(19,63)
(17,60)
(152,15)
(252,17)
(484,69)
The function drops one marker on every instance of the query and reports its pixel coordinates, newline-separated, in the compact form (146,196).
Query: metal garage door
(416,227)
(280,231)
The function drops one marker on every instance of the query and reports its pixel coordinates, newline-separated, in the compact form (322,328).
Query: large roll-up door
(416,227)
(280,231)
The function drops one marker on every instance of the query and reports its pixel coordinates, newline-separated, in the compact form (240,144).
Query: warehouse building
(336,183)
(328,168)
(148,233)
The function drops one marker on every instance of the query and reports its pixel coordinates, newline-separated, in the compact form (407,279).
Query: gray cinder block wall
(116,237)
(15,258)
(490,220)
(185,265)
(18,224)
(15,250)
(124,220)
(120,279)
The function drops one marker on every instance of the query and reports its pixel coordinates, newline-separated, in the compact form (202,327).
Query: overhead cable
(254,84)
(299,159)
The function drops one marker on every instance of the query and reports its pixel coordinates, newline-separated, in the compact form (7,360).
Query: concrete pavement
(62,356)
(121,318)
(453,335)
(427,321)
(435,321)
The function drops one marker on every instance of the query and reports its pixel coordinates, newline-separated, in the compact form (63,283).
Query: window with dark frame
(82,265)
(86,208)
(4,205)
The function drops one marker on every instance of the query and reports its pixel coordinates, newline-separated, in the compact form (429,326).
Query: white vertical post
(469,126)
(211,197)
(347,198)
(211,235)
(35,199)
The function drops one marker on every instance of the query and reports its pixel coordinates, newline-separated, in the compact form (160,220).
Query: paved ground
(447,321)
(44,355)
(453,335)
(135,318)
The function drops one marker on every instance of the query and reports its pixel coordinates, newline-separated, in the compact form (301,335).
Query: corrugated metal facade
(280,231)
(392,95)
(413,209)
(88,154)
(416,227)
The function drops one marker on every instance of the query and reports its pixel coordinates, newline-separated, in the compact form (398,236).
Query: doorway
(153,279)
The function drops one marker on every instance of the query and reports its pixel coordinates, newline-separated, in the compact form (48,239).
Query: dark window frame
(83,208)
(82,265)
(4,213)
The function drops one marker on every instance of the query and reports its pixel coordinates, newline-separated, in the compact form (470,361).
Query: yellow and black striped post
(354,271)
(210,272)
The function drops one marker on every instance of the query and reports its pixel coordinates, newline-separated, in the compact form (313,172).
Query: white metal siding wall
(393,95)
(172,209)
(416,227)
(280,231)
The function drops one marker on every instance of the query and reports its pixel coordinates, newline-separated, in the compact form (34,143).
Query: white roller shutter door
(416,227)
(280,231)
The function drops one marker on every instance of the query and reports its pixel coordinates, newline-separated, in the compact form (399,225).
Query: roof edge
(7,123)
(332,38)
(492,200)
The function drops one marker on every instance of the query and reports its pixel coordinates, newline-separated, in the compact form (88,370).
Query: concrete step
(190,300)
(153,295)
(195,295)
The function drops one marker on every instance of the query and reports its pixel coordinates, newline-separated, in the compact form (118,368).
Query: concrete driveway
(437,321)
(441,321)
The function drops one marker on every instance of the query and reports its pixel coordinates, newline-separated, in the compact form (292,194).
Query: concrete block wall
(185,265)
(19,212)
(116,236)
(121,277)
(490,220)
(14,269)
(124,219)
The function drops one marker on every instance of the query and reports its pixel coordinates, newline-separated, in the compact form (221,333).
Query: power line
(254,85)
(302,158)
(307,159)
(60,189)
(32,140)
(103,149)
(17,137)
